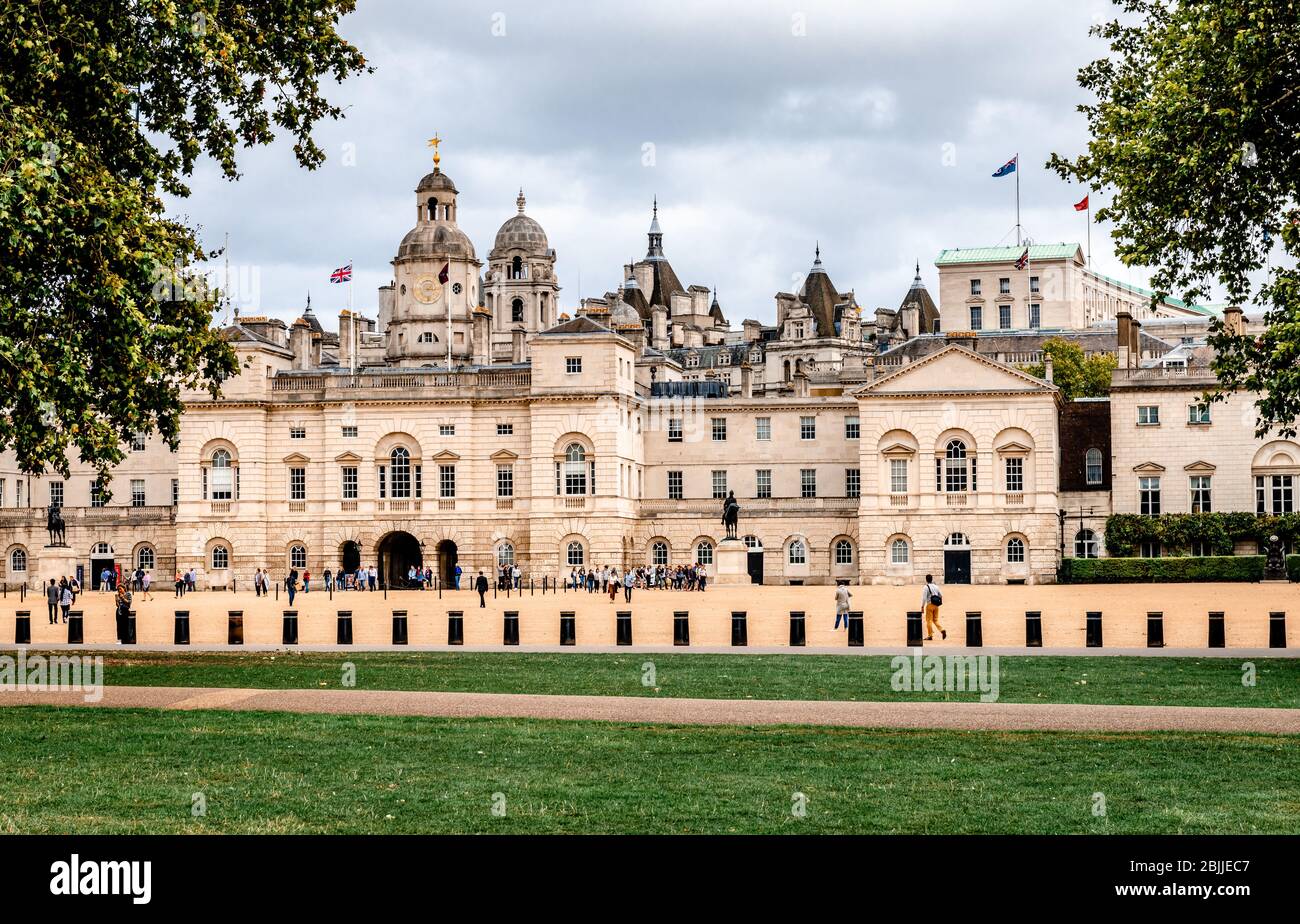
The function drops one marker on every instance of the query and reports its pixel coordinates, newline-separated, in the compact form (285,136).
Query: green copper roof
(1208,310)
(1006,254)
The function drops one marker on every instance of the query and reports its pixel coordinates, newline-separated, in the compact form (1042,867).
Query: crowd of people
(663,577)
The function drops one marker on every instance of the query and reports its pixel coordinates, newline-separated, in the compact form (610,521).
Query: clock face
(427,289)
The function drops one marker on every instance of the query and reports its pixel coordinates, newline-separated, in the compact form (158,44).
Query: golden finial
(433,143)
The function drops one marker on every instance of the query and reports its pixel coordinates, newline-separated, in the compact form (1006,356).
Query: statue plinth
(731,562)
(56,561)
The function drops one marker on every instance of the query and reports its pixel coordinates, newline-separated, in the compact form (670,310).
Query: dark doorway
(350,557)
(447,562)
(956,566)
(397,553)
(755,566)
(97,566)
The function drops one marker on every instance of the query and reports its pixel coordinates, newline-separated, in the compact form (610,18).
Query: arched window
(1015,551)
(517,311)
(575,554)
(751,542)
(1086,545)
(222,486)
(101,548)
(517,268)
(575,469)
(843,552)
(399,472)
(432,206)
(659,553)
(797,553)
(899,552)
(220,557)
(704,553)
(505,555)
(145,559)
(957,541)
(18,560)
(298,557)
(1092,466)
(956,468)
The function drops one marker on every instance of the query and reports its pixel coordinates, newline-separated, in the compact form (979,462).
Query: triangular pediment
(955,369)
(1012,448)
(446,456)
(1200,466)
(898,449)
(504,455)
(296,457)
(347,457)
(1149,468)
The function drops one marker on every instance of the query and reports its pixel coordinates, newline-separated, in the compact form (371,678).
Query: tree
(105,106)
(1194,133)
(1077,375)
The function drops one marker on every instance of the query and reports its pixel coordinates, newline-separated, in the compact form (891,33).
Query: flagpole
(352,320)
(1017,198)
(1089,219)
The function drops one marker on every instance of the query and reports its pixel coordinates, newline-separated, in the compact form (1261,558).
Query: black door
(956,566)
(755,566)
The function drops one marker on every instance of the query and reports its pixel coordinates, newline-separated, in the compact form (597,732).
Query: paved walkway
(970,716)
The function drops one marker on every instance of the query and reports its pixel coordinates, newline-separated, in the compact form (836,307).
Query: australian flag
(1008,168)
(342,274)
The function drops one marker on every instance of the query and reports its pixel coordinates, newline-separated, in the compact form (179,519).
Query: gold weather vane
(433,143)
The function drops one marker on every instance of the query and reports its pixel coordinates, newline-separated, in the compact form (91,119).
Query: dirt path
(972,716)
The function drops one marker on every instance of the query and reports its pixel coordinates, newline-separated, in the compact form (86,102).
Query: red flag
(1081,204)
(444,275)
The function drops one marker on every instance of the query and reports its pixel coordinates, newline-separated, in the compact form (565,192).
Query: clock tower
(435,281)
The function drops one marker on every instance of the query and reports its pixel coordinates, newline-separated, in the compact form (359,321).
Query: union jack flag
(1023,261)
(342,274)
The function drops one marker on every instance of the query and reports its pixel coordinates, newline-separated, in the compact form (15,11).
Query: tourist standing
(931,600)
(52,599)
(291,584)
(481,585)
(842,596)
(123,609)
(372,577)
(146,581)
(628,580)
(306,581)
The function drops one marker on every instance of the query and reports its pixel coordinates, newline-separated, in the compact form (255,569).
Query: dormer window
(692,360)
(724,359)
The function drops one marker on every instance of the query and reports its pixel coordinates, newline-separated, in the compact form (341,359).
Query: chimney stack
(346,346)
(1232,321)
(1047,367)
(746,380)
(1123,323)
(1135,343)
(801,384)
(517,345)
(482,336)
(300,343)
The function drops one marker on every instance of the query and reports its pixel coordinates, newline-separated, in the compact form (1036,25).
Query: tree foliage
(105,106)
(1076,374)
(1196,135)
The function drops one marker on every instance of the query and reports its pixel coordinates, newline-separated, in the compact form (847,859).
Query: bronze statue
(730,514)
(54,523)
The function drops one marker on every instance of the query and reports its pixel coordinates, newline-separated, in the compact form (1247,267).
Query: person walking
(291,584)
(481,585)
(146,581)
(65,599)
(931,600)
(842,596)
(614,583)
(516,575)
(306,581)
(180,585)
(372,577)
(122,607)
(52,598)
(629,580)
(329,579)
(455,584)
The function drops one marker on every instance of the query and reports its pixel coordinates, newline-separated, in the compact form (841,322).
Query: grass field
(117,771)
(1111,680)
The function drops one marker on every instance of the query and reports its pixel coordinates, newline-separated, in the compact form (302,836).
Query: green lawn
(115,771)
(1120,680)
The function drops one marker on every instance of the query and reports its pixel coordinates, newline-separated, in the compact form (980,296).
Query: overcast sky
(763,127)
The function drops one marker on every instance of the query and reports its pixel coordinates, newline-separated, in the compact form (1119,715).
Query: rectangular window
(1004,317)
(349,482)
(976,317)
(674,429)
(417,473)
(1004,285)
(96,494)
(382,478)
(297,433)
(137,442)
(807,428)
(852,428)
(446,429)
(974,287)
(446,481)
(349,433)
(719,429)
(1035,316)
(297,484)
(573,364)
(1015,476)
(505,481)
(763,428)
(807,482)
(1200,487)
(2,492)
(1276,491)
(176,491)
(1148,415)
(853,482)
(763,482)
(1198,413)
(719,483)
(674,485)
(137,492)
(1033,284)
(505,429)
(56,492)
(1149,496)
(897,476)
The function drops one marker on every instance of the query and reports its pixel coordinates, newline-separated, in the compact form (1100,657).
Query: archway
(447,562)
(350,557)
(397,552)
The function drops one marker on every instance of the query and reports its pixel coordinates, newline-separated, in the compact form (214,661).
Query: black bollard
(511,628)
(455,627)
(289,628)
(181,631)
(1092,637)
(1217,635)
(277,591)
(344,633)
(399,627)
(798,637)
(681,628)
(128,633)
(1277,630)
(568,628)
(76,628)
(975,629)
(914,629)
(1033,629)
(438,582)
(739,629)
(1155,630)
(235,627)
(857,634)
(623,627)
(23,627)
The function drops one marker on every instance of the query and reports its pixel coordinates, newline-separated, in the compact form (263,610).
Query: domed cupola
(520,289)
(520,233)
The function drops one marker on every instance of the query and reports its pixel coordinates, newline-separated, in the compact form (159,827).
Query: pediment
(1012,448)
(1199,467)
(898,449)
(504,455)
(347,457)
(1149,468)
(446,456)
(956,369)
(296,457)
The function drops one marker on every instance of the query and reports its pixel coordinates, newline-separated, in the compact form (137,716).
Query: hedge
(1163,570)
(1293,567)
(1125,532)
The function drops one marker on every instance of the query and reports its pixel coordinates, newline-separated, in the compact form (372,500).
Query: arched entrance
(447,562)
(397,552)
(350,557)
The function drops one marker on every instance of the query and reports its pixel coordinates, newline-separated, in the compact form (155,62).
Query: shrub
(1293,567)
(1125,532)
(1164,570)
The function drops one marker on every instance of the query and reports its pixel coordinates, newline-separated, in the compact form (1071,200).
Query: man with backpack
(931,600)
